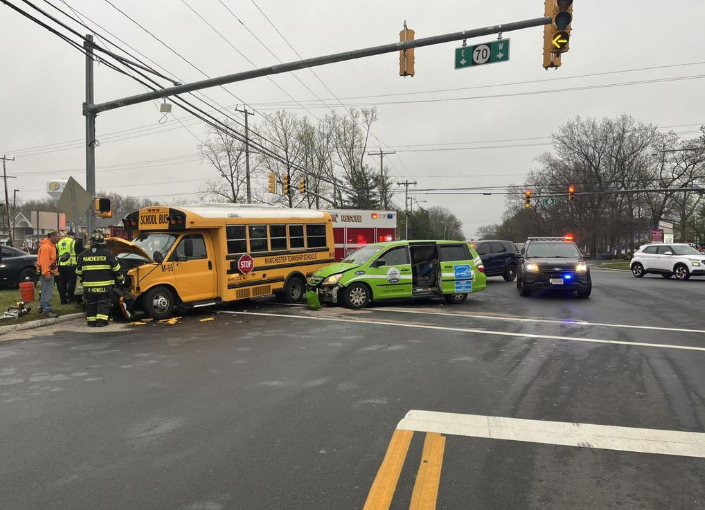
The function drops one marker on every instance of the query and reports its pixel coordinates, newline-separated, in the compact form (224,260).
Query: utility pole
(5,177)
(382,189)
(247,151)
(90,130)
(406,185)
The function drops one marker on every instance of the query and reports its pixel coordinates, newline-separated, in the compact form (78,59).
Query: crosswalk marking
(428,478)
(382,490)
(582,435)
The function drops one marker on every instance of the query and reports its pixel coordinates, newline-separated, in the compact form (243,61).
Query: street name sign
(549,201)
(480,54)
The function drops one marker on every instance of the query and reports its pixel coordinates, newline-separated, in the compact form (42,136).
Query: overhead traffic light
(272,182)
(102,208)
(286,185)
(406,57)
(302,186)
(527,198)
(556,36)
(571,192)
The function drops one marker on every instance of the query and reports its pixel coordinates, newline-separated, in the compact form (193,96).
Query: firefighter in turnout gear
(99,271)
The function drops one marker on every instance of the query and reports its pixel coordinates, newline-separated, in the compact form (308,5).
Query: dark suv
(553,263)
(500,258)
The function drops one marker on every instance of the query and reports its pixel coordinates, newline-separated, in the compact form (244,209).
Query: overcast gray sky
(43,87)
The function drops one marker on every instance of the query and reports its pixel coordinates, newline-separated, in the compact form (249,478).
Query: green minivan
(399,269)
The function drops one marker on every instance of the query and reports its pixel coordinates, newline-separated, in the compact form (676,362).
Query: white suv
(667,260)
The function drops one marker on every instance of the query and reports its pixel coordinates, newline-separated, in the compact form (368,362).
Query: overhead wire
(213,122)
(313,71)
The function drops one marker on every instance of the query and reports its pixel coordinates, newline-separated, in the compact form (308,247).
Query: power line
(526,82)
(516,94)
(312,71)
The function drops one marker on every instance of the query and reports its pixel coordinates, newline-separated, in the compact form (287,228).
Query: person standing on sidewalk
(98,270)
(67,268)
(47,268)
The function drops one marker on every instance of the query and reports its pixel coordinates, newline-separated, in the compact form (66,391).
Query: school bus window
(316,236)
(296,236)
(191,247)
(258,238)
(277,237)
(237,241)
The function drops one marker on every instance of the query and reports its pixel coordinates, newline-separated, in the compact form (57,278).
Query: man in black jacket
(98,270)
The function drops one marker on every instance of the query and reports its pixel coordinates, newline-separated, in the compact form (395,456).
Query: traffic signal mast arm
(93,109)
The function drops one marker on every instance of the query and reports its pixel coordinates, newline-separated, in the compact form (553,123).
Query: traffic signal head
(102,208)
(527,198)
(557,34)
(406,57)
(571,192)
(302,186)
(272,183)
(286,185)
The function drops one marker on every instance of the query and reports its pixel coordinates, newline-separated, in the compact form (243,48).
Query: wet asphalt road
(278,407)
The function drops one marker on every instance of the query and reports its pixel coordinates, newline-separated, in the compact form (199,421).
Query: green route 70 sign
(480,54)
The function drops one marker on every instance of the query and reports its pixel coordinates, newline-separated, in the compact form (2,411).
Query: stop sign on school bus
(245,264)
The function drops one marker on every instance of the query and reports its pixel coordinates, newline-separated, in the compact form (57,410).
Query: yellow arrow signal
(558,41)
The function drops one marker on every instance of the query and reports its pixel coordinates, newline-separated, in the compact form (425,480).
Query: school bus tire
(358,295)
(158,302)
(294,289)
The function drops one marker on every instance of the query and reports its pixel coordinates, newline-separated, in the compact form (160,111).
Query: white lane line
(581,435)
(569,322)
(469,330)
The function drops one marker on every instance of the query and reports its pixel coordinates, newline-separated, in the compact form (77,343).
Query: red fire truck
(354,228)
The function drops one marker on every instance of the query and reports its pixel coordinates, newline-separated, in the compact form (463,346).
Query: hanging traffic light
(556,36)
(302,186)
(571,192)
(102,208)
(286,185)
(406,57)
(527,198)
(272,182)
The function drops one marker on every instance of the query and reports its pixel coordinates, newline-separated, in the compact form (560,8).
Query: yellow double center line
(428,477)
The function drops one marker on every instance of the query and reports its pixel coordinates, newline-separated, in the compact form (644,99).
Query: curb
(39,323)
(608,269)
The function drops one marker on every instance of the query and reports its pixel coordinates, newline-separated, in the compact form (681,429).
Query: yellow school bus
(205,254)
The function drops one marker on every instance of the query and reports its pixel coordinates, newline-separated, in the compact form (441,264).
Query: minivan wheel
(681,272)
(455,299)
(510,274)
(356,296)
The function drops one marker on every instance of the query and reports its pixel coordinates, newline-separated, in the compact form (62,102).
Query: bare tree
(283,130)
(351,138)
(227,155)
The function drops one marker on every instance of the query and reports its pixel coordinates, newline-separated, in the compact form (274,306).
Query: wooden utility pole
(382,177)
(5,177)
(247,151)
(406,184)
